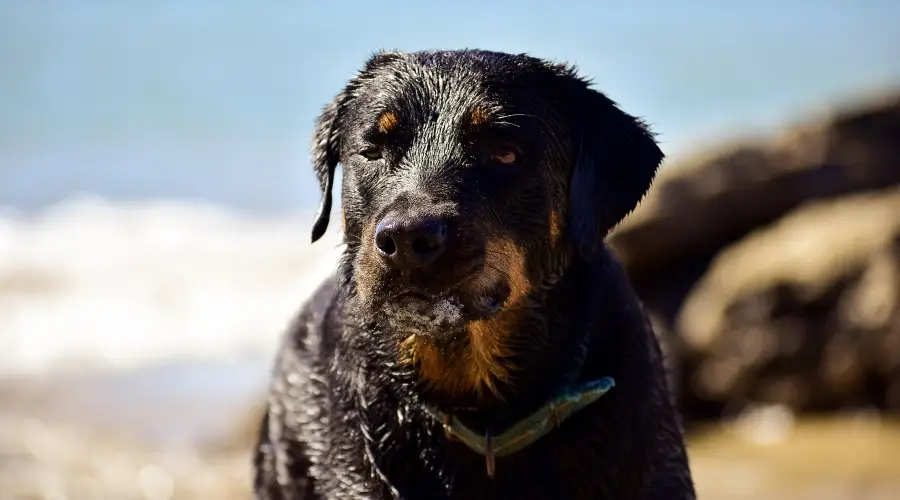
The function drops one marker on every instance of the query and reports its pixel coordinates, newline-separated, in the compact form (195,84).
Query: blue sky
(146,99)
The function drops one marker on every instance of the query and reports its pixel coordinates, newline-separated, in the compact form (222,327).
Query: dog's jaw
(433,315)
(434,319)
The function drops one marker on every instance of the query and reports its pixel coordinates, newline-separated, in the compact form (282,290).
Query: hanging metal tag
(489,452)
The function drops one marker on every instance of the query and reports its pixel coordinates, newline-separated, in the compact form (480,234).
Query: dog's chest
(568,463)
(556,469)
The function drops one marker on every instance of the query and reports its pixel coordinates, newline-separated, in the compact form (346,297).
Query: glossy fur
(525,301)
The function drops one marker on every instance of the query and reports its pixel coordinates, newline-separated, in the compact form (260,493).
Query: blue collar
(528,430)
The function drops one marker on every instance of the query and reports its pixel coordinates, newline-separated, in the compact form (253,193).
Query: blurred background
(156,196)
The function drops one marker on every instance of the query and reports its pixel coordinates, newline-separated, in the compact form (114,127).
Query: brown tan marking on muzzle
(365,275)
(476,365)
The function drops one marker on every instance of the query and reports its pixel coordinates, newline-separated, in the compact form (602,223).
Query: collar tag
(489,452)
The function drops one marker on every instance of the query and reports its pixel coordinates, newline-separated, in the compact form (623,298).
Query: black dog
(478,340)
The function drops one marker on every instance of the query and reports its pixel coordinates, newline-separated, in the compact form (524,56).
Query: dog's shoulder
(281,459)
(306,343)
(314,319)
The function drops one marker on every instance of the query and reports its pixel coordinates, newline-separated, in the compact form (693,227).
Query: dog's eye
(504,156)
(371,154)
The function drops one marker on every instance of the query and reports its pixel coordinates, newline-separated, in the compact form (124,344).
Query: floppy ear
(616,158)
(325,155)
(326,142)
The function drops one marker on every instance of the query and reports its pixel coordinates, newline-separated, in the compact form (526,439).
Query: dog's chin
(439,318)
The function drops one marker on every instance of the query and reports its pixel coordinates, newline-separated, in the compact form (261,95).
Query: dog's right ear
(326,142)
(325,155)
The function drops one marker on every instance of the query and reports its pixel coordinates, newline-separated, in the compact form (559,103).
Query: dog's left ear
(615,160)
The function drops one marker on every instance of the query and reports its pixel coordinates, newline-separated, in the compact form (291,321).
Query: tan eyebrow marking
(479,115)
(388,121)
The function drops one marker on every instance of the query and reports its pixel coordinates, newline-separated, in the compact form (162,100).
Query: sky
(215,100)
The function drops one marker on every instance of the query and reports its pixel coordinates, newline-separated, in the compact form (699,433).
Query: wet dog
(478,340)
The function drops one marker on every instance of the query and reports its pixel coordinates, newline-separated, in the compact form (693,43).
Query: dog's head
(470,180)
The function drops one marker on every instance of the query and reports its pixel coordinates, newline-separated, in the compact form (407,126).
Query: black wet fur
(345,418)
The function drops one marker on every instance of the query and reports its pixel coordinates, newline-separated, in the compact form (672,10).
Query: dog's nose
(410,242)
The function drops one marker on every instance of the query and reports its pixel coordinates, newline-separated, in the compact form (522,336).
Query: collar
(525,431)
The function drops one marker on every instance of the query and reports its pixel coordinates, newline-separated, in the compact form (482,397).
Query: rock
(698,207)
(804,313)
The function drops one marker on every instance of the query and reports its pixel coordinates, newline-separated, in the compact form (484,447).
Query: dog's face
(470,179)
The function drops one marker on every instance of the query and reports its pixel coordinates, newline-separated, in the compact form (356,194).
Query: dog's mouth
(440,315)
(479,304)
(415,294)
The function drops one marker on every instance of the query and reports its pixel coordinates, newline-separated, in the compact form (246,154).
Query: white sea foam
(94,284)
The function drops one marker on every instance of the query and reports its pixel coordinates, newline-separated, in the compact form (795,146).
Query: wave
(94,284)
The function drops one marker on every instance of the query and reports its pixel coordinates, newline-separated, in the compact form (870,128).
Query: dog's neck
(550,376)
(524,432)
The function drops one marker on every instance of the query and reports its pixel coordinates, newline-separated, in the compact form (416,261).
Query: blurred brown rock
(773,268)
(804,313)
(697,207)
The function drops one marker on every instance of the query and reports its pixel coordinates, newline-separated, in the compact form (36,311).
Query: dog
(478,339)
